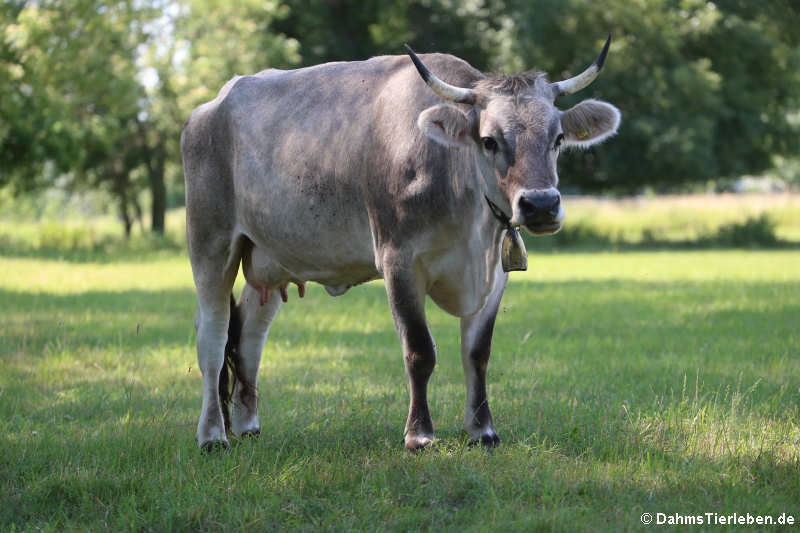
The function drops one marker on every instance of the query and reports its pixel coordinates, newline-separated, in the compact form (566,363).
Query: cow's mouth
(541,228)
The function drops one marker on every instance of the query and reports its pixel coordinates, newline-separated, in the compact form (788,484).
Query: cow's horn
(445,90)
(586,77)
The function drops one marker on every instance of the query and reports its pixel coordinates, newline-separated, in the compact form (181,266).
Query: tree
(76,98)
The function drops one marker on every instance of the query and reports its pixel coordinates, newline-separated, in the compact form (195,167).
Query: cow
(347,172)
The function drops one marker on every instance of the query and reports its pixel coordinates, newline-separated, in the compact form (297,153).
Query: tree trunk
(159,206)
(158,189)
(137,211)
(155,158)
(119,178)
(127,221)
(155,161)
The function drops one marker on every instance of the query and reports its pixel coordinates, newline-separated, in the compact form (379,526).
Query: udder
(265,275)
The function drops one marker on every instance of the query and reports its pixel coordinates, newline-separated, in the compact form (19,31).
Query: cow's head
(518,133)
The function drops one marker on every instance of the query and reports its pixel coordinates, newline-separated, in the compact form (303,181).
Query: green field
(621,383)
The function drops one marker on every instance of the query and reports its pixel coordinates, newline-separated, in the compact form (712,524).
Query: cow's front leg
(476,345)
(407,300)
(256,319)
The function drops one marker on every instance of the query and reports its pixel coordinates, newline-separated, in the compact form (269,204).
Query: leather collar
(498,213)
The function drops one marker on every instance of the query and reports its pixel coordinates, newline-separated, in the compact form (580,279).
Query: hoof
(214,447)
(487,441)
(418,442)
(250,434)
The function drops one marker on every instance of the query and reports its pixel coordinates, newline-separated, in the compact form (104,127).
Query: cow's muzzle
(540,211)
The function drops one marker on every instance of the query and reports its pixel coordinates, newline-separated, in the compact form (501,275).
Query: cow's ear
(445,124)
(589,122)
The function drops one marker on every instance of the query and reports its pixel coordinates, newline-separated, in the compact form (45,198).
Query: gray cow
(347,172)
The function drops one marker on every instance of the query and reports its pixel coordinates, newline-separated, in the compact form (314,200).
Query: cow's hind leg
(476,343)
(407,300)
(213,313)
(215,262)
(255,322)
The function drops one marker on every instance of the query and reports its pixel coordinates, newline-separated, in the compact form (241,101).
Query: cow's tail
(230,367)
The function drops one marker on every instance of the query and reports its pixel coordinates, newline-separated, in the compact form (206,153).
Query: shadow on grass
(39,323)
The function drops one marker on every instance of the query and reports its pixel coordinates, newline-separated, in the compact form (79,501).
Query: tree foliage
(346,30)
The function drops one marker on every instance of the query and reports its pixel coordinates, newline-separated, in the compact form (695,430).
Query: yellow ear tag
(582,135)
(512,253)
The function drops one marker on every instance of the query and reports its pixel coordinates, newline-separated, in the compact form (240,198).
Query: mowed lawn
(620,383)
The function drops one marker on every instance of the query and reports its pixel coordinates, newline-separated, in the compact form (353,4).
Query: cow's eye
(558,141)
(489,143)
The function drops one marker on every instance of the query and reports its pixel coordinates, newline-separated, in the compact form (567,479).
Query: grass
(620,384)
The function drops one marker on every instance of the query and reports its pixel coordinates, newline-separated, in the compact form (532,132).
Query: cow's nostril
(527,206)
(555,207)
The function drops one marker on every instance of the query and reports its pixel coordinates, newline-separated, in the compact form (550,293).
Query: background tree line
(93,93)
